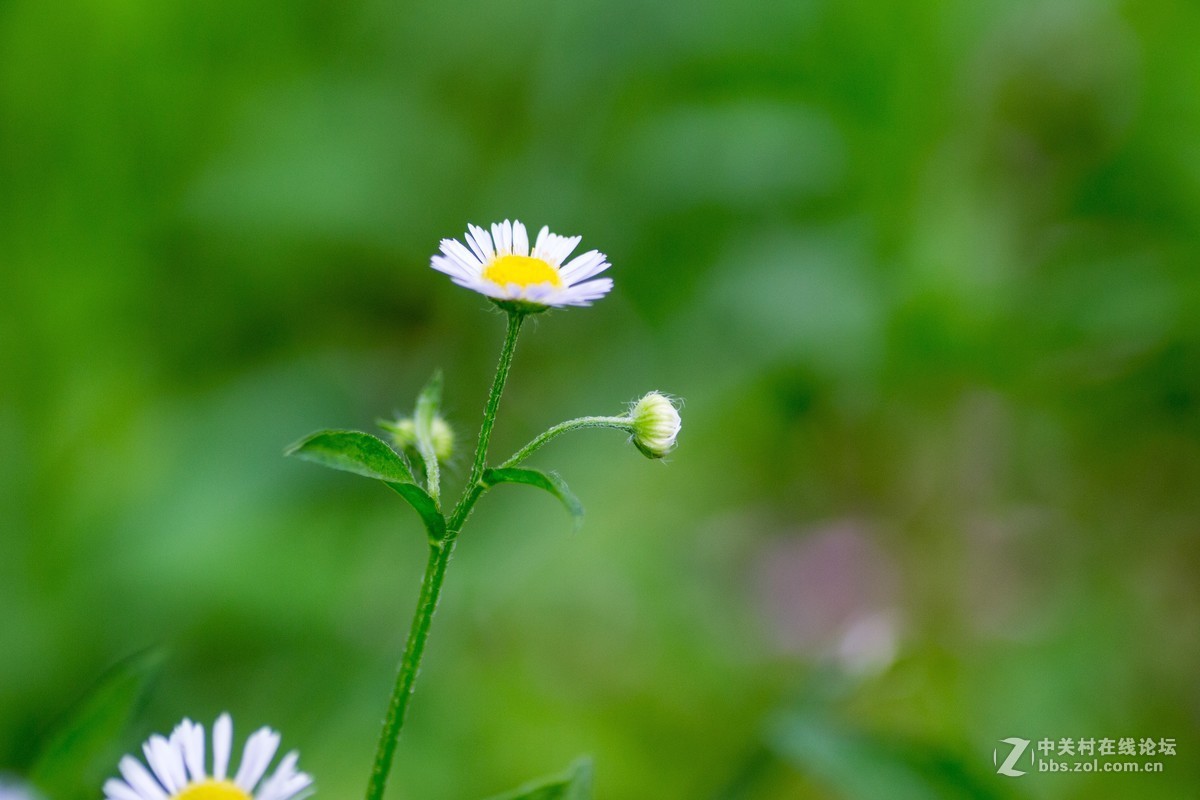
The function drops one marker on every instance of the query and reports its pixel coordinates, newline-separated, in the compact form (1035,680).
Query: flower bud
(656,423)
(404,435)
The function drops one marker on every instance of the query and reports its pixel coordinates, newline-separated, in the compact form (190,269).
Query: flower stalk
(435,572)
(410,664)
(544,438)
(515,320)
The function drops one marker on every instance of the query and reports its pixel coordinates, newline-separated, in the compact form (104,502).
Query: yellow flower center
(521,270)
(212,790)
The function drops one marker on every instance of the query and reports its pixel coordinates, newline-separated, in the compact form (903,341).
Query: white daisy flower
(178,771)
(502,266)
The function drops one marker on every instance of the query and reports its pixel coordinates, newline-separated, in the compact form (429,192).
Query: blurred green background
(925,274)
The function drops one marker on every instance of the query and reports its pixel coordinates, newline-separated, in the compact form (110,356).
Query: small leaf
(353,451)
(574,784)
(428,403)
(426,506)
(542,480)
(861,766)
(84,749)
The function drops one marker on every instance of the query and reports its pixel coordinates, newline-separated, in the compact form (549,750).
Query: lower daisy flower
(178,772)
(502,266)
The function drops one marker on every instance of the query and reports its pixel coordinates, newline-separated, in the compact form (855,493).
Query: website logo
(1008,767)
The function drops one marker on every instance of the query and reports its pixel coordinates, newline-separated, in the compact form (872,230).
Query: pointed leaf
(426,506)
(542,480)
(84,748)
(363,454)
(861,766)
(574,784)
(353,451)
(428,403)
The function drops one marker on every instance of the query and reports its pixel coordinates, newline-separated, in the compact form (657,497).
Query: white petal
(260,749)
(286,783)
(582,294)
(540,244)
(297,787)
(151,753)
(502,237)
(449,266)
(138,778)
(520,239)
(559,247)
(174,756)
(540,291)
(222,741)
(193,749)
(484,240)
(471,243)
(583,267)
(483,287)
(119,790)
(166,762)
(455,250)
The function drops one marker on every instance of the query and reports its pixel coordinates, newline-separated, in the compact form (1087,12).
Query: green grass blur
(925,274)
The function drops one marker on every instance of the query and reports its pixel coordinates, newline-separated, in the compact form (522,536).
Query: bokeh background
(925,274)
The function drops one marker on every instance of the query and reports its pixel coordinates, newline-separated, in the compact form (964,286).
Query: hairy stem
(620,423)
(474,488)
(410,665)
(435,573)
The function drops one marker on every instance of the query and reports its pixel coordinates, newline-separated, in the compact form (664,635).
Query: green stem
(620,423)
(474,488)
(435,573)
(410,665)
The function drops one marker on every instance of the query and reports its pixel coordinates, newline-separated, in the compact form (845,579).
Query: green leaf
(428,403)
(860,766)
(542,480)
(426,506)
(353,451)
(84,748)
(363,454)
(574,784)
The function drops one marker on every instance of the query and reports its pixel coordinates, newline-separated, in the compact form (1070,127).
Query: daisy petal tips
(501,265)
(177,768)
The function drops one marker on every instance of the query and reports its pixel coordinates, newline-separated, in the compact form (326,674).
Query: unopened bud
(404,435)
(656,424)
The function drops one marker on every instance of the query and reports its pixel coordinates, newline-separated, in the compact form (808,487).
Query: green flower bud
(404,436)
(443,439)
(656,423)
(403,432)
